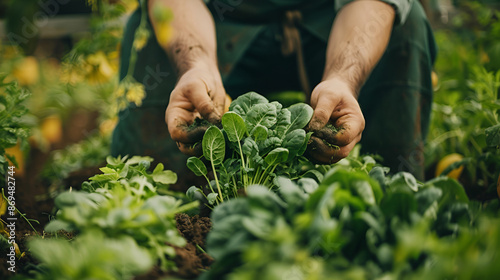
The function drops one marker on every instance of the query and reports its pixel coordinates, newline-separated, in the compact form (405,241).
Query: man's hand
(193,51)
(198,93)
(334,102)
(359,36)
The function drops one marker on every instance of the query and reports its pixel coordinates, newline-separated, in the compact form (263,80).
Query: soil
(24,263)
(190,260)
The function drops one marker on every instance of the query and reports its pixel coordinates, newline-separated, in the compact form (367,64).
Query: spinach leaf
(214,145)
(234,126)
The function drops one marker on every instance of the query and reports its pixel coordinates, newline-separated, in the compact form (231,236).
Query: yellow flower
(107,126)
(162,17)
(164,32)
(130,5)
(99,70)
(27,72)
(136,93)
(141,38)
(120,90)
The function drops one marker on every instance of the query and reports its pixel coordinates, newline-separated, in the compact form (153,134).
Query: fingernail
(315,124)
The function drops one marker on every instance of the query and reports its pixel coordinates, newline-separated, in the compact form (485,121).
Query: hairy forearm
(193,39)
(358,39)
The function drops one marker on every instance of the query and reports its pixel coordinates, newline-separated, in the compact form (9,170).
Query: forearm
(358,39)
(193,39)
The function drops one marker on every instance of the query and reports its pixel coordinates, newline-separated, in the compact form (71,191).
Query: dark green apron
(395,100)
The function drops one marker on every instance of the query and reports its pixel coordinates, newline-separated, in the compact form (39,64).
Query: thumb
(202,102)
(323,108)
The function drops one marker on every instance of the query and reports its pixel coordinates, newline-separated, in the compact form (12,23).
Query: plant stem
(133,51)
(186,207)
(217,181)
(21,214)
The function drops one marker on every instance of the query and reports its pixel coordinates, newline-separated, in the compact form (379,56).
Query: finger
(190,149)
(177,122)
(322,152)
(350,124)
(220,101)
(203,103)
(323,105)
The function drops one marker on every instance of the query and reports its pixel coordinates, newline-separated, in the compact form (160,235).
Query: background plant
(13,128)
(124,202)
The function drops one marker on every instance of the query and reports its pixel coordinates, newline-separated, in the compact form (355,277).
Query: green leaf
(276,156)
(138,159)
(166,177)
(301,114)
(294,141)
(313,174)
(88,256)
(403,180)
(265,198)
(197,166)
(269,144)
(493,136)
(304,145)
(282,123)
(212,198)
(399,204)
(159,168)
(234,126)
(291,193)
(427,197)
(452,190)
(57,225)
(364,190)
(261,114)
(194,193)
(309,185)
(260,133)
(214,145)
(247,101)
(250,148)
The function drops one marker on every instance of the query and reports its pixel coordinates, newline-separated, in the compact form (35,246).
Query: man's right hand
(198,93)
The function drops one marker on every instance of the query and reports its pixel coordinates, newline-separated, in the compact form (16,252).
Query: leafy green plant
(352,225)
(124,201)
(92,255)
(90,152)
(263,140)
(12,126)
(471,126)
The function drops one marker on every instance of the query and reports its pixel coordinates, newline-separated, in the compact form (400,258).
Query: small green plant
(262,139)
(124,201)
(12,126)
(471,126)
(92,255)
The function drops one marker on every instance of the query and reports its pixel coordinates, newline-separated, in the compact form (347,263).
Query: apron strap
(292,44)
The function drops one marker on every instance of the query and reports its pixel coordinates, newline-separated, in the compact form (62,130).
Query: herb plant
(356,224)
(124,201)
(261,139)
(12,126)
(92,255)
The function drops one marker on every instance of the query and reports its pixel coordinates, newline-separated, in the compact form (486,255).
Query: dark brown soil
(23,263)
(190,260)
